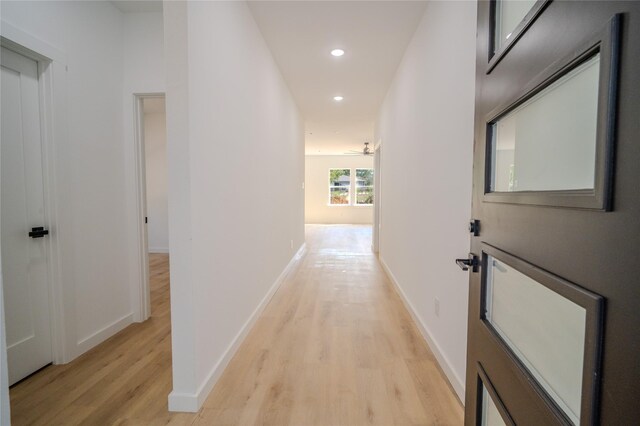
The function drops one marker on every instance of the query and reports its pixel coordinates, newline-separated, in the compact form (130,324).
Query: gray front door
(554,308)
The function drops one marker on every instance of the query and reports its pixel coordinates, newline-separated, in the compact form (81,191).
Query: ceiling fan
(365,151)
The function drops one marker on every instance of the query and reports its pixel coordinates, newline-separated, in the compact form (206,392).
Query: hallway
(335,346)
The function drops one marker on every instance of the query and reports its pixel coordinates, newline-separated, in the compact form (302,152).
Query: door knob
(470,262)
(38,232)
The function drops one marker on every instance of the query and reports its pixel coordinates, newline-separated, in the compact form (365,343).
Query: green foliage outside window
(340,187)
(364,186)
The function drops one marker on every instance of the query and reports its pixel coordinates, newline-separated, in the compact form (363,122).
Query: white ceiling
(133,6)
(374,35)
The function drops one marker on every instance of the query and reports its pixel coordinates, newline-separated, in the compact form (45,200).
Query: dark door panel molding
(496,55)
(592,303)
(606,44)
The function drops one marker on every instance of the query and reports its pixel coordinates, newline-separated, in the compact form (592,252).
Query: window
(549,143)
(339,186)
(509,17)
(340,189)
(364,187)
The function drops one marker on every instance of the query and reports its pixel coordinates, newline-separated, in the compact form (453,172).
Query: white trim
(59,352)
(185,402)
(456,382)
(192,402)
(164,250)
(328,154)
(104,333)
(142,298)
(377,173)
(40,48)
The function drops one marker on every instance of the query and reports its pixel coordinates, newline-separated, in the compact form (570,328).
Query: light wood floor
(334,347)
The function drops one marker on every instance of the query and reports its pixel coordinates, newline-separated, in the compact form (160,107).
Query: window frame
(606,43)
(352,196)
(356,203)
(331,187)
(495,53)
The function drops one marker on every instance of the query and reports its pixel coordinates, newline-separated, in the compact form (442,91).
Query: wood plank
(335,346)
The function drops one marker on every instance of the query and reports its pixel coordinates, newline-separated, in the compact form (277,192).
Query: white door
(24,258)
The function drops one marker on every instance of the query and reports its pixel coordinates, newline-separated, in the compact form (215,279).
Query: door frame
(142,241)
(50,62)
(377,174)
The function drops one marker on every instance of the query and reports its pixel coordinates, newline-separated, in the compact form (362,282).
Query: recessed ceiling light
(337,52)
(338,98)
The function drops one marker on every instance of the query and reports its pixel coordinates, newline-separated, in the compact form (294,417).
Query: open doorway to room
(339,189)
(152,141)
(339,192)
(126,378)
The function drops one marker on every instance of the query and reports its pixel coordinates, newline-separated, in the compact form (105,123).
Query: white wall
(89,162)
(236,166)
(144,73)
(155,150)
(92,135)
(426,128)
(316,207)
(92,157)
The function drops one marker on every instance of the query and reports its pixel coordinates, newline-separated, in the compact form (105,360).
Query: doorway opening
(151,141)
(375,245)
(339,191)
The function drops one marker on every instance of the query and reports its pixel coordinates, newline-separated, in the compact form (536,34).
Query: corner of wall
(183,402)
(446,366)
(192,402)
(426,134)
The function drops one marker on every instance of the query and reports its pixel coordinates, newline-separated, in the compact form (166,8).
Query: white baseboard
(191,403)
(456,382)
(339,223)
(158,250)
(103,334)
(184,402)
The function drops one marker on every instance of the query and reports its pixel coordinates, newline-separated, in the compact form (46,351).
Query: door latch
(474,227)
(471,262)
(38,232)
